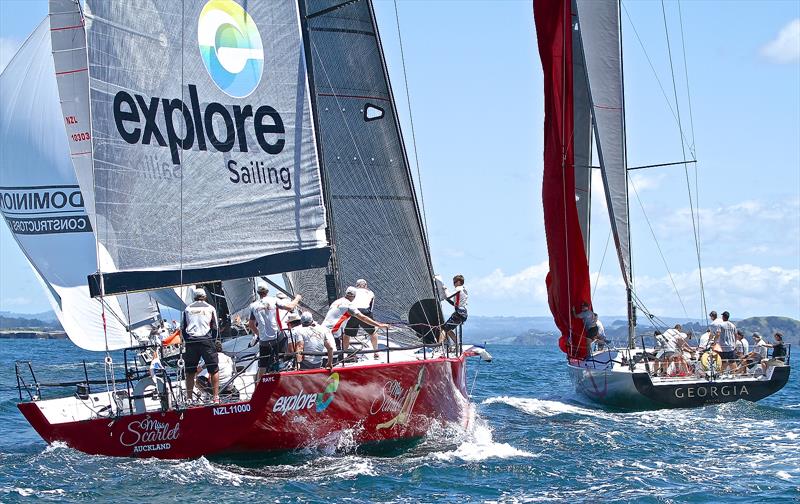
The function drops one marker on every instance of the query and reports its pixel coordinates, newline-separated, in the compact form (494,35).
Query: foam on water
(477,443)
(544,407)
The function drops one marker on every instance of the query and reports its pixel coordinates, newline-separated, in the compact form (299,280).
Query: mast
(629,287)
(332,281)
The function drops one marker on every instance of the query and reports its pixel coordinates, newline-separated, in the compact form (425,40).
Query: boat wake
(474,444)
(545,408)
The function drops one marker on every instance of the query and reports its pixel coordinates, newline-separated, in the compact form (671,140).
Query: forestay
(375,220)
(205,164)
(44,206)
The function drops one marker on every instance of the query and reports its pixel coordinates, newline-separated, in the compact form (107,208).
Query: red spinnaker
(568,279)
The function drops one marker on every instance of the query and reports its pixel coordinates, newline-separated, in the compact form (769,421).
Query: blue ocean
(532,439)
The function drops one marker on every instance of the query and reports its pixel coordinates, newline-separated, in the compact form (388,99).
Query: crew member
(265,323)
(459,301)
(312,338)
(727,341)
(341,310)
(199,326)
(363,302)
(226,369)
(589,318)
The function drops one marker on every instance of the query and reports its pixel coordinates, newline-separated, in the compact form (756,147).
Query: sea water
(532,439)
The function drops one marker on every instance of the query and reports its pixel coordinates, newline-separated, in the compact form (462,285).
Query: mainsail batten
(205,165)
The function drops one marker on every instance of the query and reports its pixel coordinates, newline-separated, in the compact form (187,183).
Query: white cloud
(737,218)
(785,47)
(8,48)
(645,182)
(744,290)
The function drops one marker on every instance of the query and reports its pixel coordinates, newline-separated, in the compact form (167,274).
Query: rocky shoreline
(32,334)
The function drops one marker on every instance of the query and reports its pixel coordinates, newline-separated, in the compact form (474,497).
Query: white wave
(478,444)
(786,435)
(784,475)
(186,472)
(28,492)
(55,446)
(545,408)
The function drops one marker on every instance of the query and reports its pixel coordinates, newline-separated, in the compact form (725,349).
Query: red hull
(287,411)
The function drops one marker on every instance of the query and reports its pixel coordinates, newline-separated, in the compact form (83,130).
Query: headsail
(600,32)
(43,204)
(568,279)
(375,220)
(205,166)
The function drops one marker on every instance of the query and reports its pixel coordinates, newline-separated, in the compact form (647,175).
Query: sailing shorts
(268,353)
(455,320)
(201,348)
(353,323)
(731,355)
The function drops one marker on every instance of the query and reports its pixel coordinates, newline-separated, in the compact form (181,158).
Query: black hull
(689,395)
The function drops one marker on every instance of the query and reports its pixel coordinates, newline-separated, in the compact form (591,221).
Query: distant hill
(47,316)
(28,322)
(542,330)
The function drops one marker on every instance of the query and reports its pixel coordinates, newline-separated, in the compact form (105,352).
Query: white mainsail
(44,206)
(600,33)
(204,156)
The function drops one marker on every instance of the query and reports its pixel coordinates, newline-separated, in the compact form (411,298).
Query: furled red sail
(568,279)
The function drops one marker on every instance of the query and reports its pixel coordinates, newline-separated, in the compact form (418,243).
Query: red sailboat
(215,142)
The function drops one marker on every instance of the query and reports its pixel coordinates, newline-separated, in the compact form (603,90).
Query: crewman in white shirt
(199,326)
(266,324)
(312,338)
(341,310)
(459,301)
(363,302)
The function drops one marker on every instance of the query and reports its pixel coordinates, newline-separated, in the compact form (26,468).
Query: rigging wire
(658,246)
(602,261)
(382,206)
(411,120)
(566,30)
(652,68)
(683,150)
(694,154)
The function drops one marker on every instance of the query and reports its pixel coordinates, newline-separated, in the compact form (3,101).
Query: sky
(475,83)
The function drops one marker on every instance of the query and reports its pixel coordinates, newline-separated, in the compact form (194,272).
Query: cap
(292,317)
(361,283)
(306,318)
(199,293)
(281,295)
(262,288)
(756,335)
(351,291)
(726,314)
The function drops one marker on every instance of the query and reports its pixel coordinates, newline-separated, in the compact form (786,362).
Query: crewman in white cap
(199,326)
(265,322)
(341,310)
(313,339)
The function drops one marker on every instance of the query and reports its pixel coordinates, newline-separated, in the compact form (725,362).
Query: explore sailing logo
(230,47)
(319,401)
